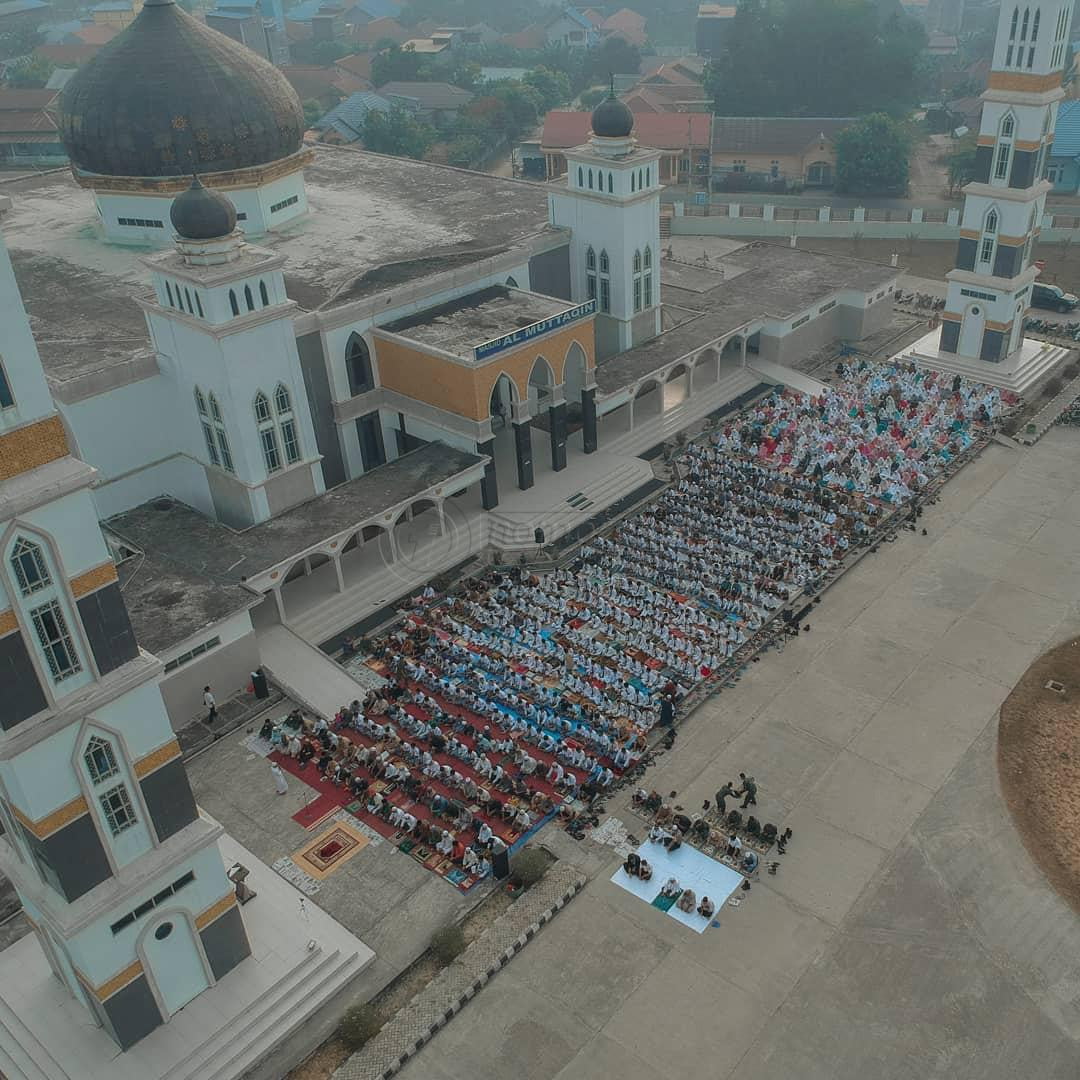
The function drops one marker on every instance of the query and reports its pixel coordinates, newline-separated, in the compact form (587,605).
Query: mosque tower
(118,871)
(990,289)
(612,204)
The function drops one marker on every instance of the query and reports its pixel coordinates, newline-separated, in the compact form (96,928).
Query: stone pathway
(459,982)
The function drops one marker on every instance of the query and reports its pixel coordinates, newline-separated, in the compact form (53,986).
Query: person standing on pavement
(667,711)
(211,705)
(722,796)
(749,790)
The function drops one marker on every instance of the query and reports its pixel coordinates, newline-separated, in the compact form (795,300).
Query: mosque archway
(676,386)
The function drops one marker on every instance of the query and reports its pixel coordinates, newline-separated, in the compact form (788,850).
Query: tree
(312,111)
(552,86)
(816,58)
(32,75)
(400,132)
(615,56)
(324,53)
(872,157)
(396,65)
(961,164)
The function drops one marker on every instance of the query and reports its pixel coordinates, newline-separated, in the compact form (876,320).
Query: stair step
(22,1056)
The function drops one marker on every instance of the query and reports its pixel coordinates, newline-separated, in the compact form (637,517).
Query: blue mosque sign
(526,333)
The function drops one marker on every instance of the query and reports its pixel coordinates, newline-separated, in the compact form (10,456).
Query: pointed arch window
(100,760)
(168,293)
(1003,154)
(647,278)
(605,281)
(198,305)
(290,441)
(264,296)
(268,437)
(580,177)
(221,436)
(637,280)
(7,398)
(55,640)
(232,302)
(31,570)
(611,183)
(190,305)
(248,298)
(358,366)
(207,430)
(988,243)
(590,273)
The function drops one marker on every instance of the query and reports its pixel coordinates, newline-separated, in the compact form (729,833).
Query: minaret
(990,289)
(222,317)
(612,205)
(118,872)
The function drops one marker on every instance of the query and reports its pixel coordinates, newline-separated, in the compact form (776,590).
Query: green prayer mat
(665,903)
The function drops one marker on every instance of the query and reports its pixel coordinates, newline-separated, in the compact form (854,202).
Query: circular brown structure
(1039,765)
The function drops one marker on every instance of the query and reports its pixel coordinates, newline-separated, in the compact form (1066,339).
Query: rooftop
(662,131)
(459,326)
(375,223)
(776,134)
(429,95)
(189,574)
(758,281)
(1067,130)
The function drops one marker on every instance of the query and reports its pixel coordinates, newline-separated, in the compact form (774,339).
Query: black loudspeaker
(258,683)
(538,536)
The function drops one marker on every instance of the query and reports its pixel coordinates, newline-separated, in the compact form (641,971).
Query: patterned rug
(330,850)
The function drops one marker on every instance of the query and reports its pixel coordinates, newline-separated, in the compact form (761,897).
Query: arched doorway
(541,386)
(676,386)
(971,330)
(172,956)
(511,434)
(358,366)
(648,403)
(580,402)
(1016,338)
(706,370)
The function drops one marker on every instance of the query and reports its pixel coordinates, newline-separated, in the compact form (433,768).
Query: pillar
(336,560)
(742,352)
(557,427)
(279,603)
(440,507)
(523,451)
(588,419)
(489,485)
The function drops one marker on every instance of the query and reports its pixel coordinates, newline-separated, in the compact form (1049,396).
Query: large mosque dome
(170,96)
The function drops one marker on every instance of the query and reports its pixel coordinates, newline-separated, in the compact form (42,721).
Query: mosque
(254,392)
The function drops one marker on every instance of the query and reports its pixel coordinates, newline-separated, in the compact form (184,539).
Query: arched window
(988,244)
(198,305)
(268,439)
(605,281)
(207,430)
(248,298)
(580,177)
(648,177)
(200,402)
(233,304)
(637,262)
(590,179)
(358,366)
(100,760)
(633,182)
(190,305)
(1030,238)
(611,183)
(264,296)
(31,571)
(1024,24)
(1040,159)
(647,279)
(222,438)
(590,273)
(605,266)
(1012,24)
(511,283)
(1003,156)
(290,441)
(1035,26)
(168,293)
(637,281)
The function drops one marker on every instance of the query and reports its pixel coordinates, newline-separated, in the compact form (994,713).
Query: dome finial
(201,213)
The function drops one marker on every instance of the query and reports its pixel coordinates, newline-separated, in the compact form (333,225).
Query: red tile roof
(664,131)
(67,55)
(24,111)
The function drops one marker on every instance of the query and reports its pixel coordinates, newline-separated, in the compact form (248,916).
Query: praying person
(280,783)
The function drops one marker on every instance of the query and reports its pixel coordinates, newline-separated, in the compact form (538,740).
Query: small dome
(169,96)
(201,213)
(611,119)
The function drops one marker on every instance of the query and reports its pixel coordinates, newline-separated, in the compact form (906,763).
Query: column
(742,352)
(588,419)
(440,507)
(557,429)
(523,450)
(336,560)
(279,603)
(489,485)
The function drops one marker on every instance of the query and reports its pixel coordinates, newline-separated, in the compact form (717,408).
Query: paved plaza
(908,933)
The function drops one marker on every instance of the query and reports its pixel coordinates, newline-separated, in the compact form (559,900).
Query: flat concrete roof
(191,569)
(758,281)
(479,317)
(375,222)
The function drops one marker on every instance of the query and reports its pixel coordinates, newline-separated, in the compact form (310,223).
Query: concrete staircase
(270,1019)
(658,429)
(22,1056)
(512,529)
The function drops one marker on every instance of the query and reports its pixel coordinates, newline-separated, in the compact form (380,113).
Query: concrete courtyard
(908,933)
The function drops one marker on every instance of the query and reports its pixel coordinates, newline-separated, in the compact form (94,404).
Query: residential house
(532,37)
(779,151)
(626,24)
(503,74)
(571,29)
(714,22)
(67,56)
(435,101)
(118,13)
(28,133)
(1063,170)
(16,13)
(682,138)
(644,98)
(252,24)
(358,65)
(326,85)
(377,30)
(344,123)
